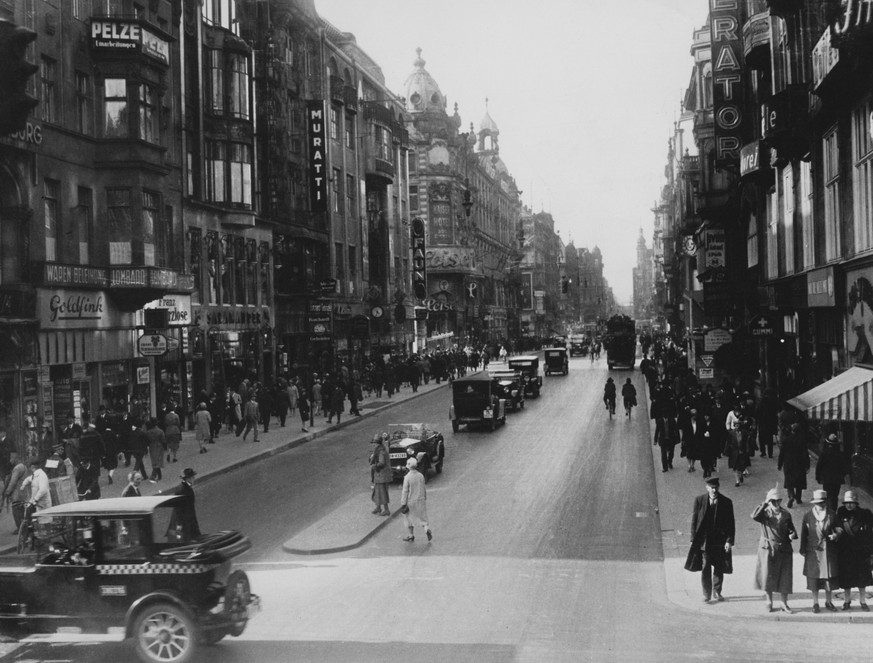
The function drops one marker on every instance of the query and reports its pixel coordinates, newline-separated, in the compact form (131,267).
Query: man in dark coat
(265,405)
(767,415)
(831,469)
(183,526)
(88,479)
(794,463)
(712,531)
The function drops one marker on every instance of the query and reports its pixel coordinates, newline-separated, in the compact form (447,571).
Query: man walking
(413,501)
(251,414)
(712,533)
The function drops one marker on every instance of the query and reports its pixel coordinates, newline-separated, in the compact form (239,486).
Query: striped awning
(846,397)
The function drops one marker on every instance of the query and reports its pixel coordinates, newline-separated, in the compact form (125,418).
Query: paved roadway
(547,547)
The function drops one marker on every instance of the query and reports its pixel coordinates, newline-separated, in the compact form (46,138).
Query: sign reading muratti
(727,89)
(317,137)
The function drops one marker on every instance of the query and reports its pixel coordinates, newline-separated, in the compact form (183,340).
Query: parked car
(476,401)
(112,569)
(556,361)
(510,387)
(529,367)
(415,441)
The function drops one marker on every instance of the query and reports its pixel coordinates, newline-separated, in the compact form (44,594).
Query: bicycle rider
(609,395)
(629,396)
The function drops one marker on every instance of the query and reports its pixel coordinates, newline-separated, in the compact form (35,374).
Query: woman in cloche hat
(854,526)
(773,571)
(819,549)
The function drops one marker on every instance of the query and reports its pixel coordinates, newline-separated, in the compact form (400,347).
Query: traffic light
(565,285)
(15,103)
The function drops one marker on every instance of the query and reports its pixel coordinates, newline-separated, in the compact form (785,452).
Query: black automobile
(556,360)
(115,570)
(578,345)
(529,367)
(476,402)
(510,385)
(415,441)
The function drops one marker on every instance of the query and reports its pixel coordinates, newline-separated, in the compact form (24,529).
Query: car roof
(523,358)
(558,348)
(111,506)
(504,373)
(481,376)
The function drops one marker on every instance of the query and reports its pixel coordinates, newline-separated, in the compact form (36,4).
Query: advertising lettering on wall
(319,322)
(727,103)
(178,309)
(526,293)
(419,263)
(714,249)
(317,137)
(454,259)
(118,35)
(78,309)
(441,222)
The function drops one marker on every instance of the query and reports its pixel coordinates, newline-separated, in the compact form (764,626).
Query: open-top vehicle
(476,401)
(113,569)
(556,360)
(510,385)
(529,367)
(417,441)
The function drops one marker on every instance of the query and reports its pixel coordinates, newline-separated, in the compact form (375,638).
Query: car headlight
(410,451)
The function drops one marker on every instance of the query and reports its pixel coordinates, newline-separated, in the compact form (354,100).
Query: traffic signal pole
(15,71)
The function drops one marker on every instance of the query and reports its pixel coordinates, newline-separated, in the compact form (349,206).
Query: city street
(547,547)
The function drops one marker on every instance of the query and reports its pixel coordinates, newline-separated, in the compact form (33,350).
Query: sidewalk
(228,454)
(676,492)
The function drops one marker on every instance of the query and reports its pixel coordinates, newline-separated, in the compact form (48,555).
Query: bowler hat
(712,481)
(819,496)
(849,496)
(187,473)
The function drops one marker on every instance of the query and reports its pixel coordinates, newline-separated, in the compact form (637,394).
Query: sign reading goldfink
(419,262)
(727,83)
(317,137)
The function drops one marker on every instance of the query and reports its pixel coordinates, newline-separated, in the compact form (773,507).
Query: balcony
(383,167)
(756,40)
(350,98)
(374,111)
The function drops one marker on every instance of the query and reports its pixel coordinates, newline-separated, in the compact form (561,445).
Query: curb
(343,548)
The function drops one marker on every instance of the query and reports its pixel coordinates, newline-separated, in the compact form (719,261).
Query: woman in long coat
(381,473)
(854,527)
(203,426)
(173,434)
(738,449)
(794,463)
(774,568)
(157,448)
(818,547)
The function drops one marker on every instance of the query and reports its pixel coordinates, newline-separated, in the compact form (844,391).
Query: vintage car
(556,361)
(475,401)
(113,569)
(529,367)
(415,441)
(510,386)
(578,345)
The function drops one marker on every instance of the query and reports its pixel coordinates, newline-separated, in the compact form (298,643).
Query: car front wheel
(164,633)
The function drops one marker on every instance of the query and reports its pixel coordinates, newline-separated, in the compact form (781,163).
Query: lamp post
(469,286)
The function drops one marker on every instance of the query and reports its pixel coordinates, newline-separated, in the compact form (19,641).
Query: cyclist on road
(609,395)
(629,396)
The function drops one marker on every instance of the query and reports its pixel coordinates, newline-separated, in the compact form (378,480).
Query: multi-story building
(463,192)
(92,213)
(642,281)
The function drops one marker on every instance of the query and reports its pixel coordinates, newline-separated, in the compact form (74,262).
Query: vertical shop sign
(419,263)
(525,295)
(317,136)
(727,88)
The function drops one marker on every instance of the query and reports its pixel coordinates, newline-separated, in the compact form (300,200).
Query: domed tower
(488,133)
(422,92)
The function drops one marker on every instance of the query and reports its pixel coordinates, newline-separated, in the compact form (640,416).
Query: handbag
(405,509)
(694,560)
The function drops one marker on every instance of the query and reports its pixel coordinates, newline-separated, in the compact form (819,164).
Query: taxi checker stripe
(149,569)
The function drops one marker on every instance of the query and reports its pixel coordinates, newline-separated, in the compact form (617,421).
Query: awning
(847,397)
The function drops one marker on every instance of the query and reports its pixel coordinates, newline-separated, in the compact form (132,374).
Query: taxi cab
(112,570)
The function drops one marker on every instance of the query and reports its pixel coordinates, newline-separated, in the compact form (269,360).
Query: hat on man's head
(849,496)
(712,481)
(819,496)
(832,439)
(187,473)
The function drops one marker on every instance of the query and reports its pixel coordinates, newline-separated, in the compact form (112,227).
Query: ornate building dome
(422,91)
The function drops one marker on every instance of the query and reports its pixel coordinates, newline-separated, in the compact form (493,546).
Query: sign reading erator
(727,83)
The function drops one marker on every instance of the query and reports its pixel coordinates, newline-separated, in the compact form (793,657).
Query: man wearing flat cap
(712,537)
(831,469)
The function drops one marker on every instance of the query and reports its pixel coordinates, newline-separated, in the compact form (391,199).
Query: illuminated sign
(419,261)
(727,100)
(116,35)
(317,136)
